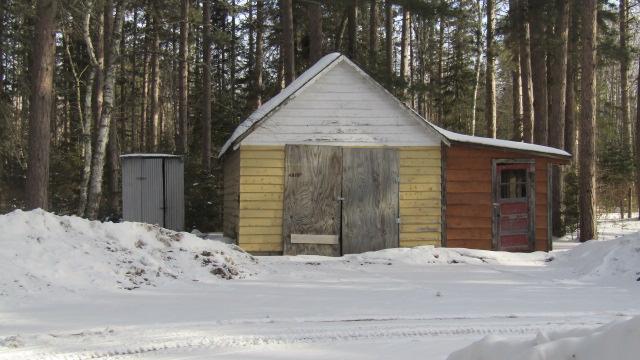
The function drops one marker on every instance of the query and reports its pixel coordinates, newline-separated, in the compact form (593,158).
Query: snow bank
(617,340)
(605,260)
(40,251)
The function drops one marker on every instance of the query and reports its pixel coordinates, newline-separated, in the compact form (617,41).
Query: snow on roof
(322,64)
(499,143)
(149,155)
(283,95)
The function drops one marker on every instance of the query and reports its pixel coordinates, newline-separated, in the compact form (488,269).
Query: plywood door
(513,187)
(370,206)
(312,185)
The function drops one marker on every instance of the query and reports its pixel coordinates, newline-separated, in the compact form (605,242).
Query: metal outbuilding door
(370,191)
(340,201)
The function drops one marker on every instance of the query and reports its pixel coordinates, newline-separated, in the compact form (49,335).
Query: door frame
(495,206)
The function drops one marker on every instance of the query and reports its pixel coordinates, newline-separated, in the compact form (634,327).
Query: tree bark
(373,33)
(624,75)
(388,45)
(97,164)
(637,143)
(525,73)
(558,103)
(258,58)
(516,85)
(206,86)
(42,70)
(539,72)
(476,66)
(316,37)
(572,69)
(288,54)
(352,32)
(183,69)
(154,106)
(404,52)
(587,160)
(490,81)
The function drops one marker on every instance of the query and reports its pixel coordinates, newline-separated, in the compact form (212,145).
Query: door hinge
(398,221)
(340,198)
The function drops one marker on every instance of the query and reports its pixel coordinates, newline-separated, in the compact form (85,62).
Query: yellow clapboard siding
(261,154)
(411,153)
(260,239)
(251,188)
(415,243)
(433,236)
(435,203)
(274,222)
(419,162)
(260,230)
(421,219)
(261,247)
(261,196)
(420,179)
(262,171)
(262,147)
(262,163)
(418,187)
(419,228)
(419,195)
(261,214)
(426,170)
(261,205)
(419,211)
(266,180)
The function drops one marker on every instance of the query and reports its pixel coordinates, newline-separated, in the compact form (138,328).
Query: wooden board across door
(370,206)
(312,186)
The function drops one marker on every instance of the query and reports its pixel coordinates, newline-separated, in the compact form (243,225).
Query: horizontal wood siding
(261,184)
(231,194)
(469,198)
(420,196)
(342,108)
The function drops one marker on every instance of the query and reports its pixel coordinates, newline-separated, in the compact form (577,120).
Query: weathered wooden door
(370,199)
(312,186)
(514,193)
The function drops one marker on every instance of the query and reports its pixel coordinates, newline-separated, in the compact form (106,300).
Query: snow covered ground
(74,289)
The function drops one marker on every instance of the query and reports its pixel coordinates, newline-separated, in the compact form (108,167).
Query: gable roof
(328,62)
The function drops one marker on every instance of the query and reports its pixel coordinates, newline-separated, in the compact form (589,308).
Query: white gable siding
(342,107)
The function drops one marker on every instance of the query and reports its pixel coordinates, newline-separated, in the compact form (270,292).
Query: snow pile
(41,251)
(435,255)
(609,260)
(617,340)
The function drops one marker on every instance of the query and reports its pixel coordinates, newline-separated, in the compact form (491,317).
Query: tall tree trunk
(97,164)
(404,52)
(516,85)
(490,83)
(525,72)
(352,32)
(315,32)
(258,58)
(587,159)
(144,101)
(558,102)
(206,85)
(388,45)
(476,65)
(288,54)
(440,73)
(154,106)
(624,75)
(183,69)
(539,72)
(373,34)
(572,69)
(42,69)
(637,143)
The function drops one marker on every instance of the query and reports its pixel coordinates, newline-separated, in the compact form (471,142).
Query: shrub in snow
(42,251)
(618,340)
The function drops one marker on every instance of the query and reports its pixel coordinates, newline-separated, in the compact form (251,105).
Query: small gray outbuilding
(153,189)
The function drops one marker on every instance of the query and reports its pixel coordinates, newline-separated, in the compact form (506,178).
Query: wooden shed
(335,164)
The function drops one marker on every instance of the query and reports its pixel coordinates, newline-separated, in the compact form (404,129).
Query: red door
(513,214)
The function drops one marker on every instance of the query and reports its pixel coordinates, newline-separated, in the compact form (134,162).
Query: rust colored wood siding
(231,195)
(261,198)
(420,196)
(469,196)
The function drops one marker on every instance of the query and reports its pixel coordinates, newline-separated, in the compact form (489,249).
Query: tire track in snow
(113,344)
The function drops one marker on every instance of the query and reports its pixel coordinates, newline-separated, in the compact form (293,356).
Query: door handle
(339,198)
